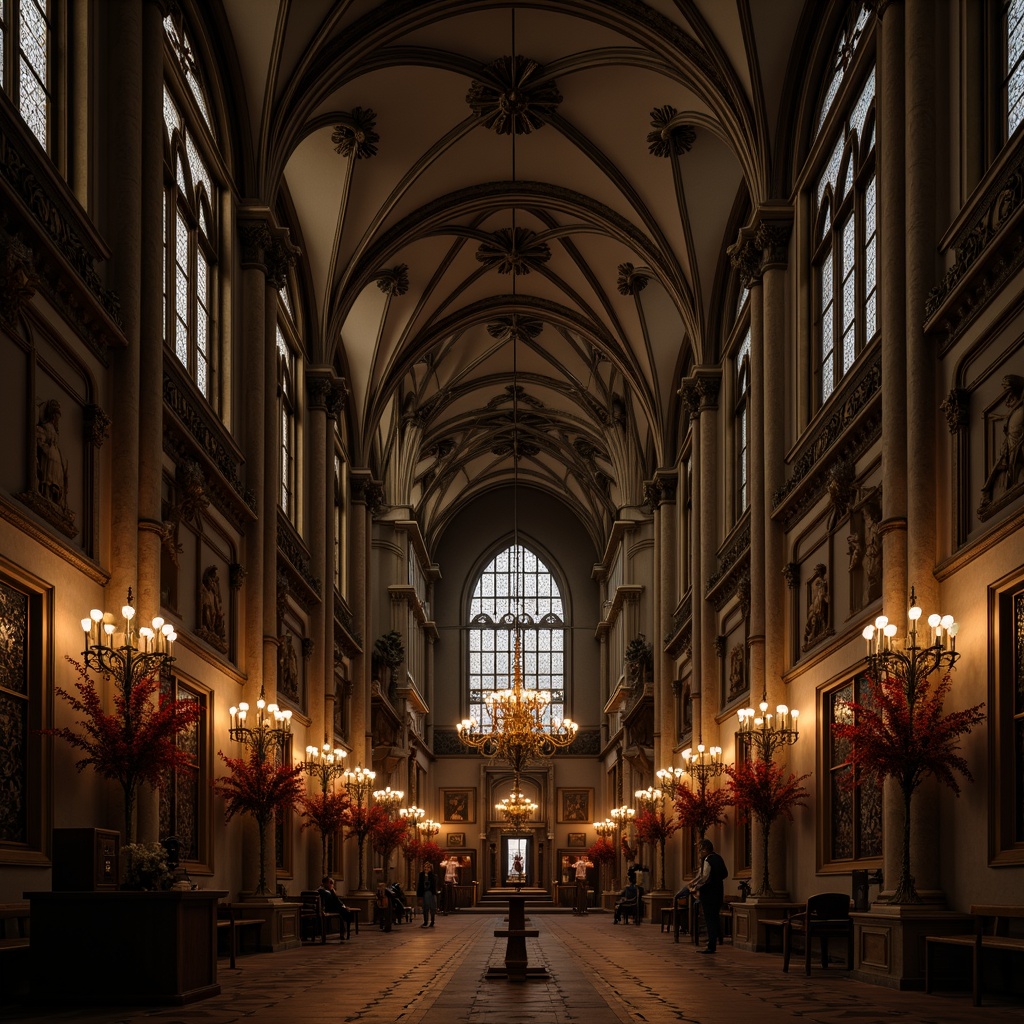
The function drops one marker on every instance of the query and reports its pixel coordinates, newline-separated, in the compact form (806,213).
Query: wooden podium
(517,933)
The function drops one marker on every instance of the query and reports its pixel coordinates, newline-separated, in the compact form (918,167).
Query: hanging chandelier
(517,810)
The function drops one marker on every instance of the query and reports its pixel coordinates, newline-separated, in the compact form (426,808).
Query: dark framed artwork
(574,805)
(458,806)
(578,840)
(456,839)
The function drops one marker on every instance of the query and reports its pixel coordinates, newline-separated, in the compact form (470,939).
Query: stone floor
(599,974)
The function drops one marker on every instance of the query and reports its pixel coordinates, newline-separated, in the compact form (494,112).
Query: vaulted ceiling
(513,220)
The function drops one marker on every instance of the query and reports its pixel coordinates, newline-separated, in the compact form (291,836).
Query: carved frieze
(297,561)
(732,566)
(18,277)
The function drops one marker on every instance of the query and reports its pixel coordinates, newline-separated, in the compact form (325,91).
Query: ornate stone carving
(236,575)
(308,646)
(746,256)
(356,136)
(791,574)
(737,672)
(743,592)
(630,280)
(188,505)
(288,545)
(287,668)
(841,486)
(818,622)
(667,139)
(337,397)
(97,425)
(732,559)
(1007,472)
(772,238)
(18,277)
(368,492)
(515,326)
(318,388)
(689,398)
(212,627)
(280,257)
(49,495)
(956,406)
(394,281)
(513,251)
(255,241)
(720,642)
(513,95)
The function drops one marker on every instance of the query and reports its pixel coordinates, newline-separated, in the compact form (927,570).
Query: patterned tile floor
(600,974)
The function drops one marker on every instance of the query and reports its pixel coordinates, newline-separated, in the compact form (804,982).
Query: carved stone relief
(737,672)
(818,624)
(49,495)
(212,627)
(287,667)
(1004,434)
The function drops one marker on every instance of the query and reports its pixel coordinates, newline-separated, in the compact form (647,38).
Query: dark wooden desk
(124,947)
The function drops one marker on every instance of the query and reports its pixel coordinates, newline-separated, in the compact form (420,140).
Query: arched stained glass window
(26,42)
(516,592)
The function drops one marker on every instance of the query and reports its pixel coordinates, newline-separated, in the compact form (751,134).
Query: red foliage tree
(761,791)
(703,809)
(134,744)
(430,851)
(653,828)
(361,822)
(326,813)
(259,787)
(386,836)
(901,732)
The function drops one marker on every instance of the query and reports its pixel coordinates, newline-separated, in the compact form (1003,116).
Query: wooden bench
(14,940)
(231,926)
(992,933)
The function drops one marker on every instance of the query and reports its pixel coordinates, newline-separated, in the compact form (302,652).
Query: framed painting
(456,839)
(578,840)
(574,805)
(459,806)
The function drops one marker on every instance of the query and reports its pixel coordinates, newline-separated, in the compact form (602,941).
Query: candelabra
(767,732)
(517,732)
(517,811)
(648,799)
(412,814)
(388,798)
(704,765)
(669,780)
(605,829)
(359,782)
(428,829)
(128,663)
(271,732)
(915,661)
(622,816)
(324,764)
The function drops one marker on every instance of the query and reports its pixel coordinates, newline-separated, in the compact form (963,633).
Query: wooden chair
(631,908)
(312,918)
(827,915)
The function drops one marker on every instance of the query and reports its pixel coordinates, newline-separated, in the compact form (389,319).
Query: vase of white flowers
(146,867)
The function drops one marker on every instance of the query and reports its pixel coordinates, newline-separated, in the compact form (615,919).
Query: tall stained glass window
(516,591)
(845,220)
(26,59)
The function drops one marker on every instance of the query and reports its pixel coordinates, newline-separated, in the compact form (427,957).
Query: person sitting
(627,903)
(334,904)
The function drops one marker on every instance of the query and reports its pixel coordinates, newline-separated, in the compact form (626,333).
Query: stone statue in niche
(49,495)
(287,667)
(51,466)
(817,606)
(737,672)
(855,549)
(211,614)
(1006,471)
(872,551)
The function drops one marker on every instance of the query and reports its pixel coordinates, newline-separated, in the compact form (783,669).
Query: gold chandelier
(517,733)
(517,810)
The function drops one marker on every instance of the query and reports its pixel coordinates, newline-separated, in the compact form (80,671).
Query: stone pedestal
(653,904)
(124,947)
(888,942)
(280,922)
(747,930)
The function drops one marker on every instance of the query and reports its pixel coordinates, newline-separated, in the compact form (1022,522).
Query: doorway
(516,860)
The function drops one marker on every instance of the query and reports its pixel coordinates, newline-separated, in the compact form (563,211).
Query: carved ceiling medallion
(513,251)
(514,97)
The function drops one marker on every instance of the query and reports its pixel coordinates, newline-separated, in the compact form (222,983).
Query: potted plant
(640,658)
(389,652)
(653,828)
(260,787)
(135,743)
(900,732)
(601,853)
(146,867)
(326,813)
(761,791)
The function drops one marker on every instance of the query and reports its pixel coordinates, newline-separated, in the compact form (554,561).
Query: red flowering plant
(260,787)
(386,836)
(326,813)
(700,811)
(654,828)
(760,790)
(361,822)
(601,853)
(430,852)
(901,732)
(137,742)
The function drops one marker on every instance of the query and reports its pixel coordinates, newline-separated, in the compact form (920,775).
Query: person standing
(583,864)
(451,879)
(710,885)
(426,889)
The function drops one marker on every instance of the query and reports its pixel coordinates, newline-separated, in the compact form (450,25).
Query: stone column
(666,552)
(125,92)
(254,242)
(151,358)
(335,400)
(892,314)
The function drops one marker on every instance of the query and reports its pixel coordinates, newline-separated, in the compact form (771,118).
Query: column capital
(367,491)
(662,489)
(255,239)
(699,391)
